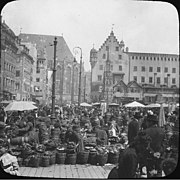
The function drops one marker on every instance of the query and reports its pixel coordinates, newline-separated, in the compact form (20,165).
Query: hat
(137,115)
(96,123)
(76,128)
(2,124)
(152,118)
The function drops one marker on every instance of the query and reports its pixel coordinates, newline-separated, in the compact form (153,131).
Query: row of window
(9,67)
(151,69)
(111,67)
(158,80)
(119,56)
(154,58)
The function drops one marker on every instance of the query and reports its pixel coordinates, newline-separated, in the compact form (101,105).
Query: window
(154,58)
(150,58)
(107,48)
(111,67)
(135,78)
(136,57)
(143,68)
(158,69)
(120,56)
(117,48)
(17,73)
(132,57)
(147,58)
(135,68)
(100,67)
(99,77)
(139,57)
(142,79)
(150,69)
(37,79)
(158,80)
(150,79)
(165,80)
(173,80)
(165,69)
(37,70)
(173,70)
(120,68)
(104,56)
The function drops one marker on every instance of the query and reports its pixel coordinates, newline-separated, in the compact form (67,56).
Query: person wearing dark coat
(157,135)
(133,128)
(128,161)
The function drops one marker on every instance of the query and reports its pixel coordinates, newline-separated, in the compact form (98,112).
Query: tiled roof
(43,44)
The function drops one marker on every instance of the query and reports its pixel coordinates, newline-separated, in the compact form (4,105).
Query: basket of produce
(60,157)
(113,155)
(102,155)
(82,157)
(52,159)
(34,160)
(45,159)
(71,158)
(92,156)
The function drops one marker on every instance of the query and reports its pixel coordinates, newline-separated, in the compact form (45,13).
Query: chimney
(127,49)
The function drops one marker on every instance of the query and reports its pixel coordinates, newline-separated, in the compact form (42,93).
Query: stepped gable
(45,43)
(107,39)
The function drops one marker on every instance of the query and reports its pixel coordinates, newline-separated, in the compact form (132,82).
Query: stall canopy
(96,104)
(20,106)
(113,104)
(153,105)
(134,104)
(84,104)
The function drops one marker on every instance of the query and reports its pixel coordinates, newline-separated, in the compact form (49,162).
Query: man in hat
(157,135)
(133,127)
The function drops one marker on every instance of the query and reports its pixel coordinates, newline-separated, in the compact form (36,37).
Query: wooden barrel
(60,157)
(102,159)
(113,158)
(82,157)
(71,158)
(45,161)
(92,158)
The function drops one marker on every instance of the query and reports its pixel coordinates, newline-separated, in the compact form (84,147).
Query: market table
(68,171)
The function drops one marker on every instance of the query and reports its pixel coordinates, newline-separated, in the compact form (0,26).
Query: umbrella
(96,104)
(153,105)
(134,104)
(162,121)
(85,104)
(6,102)
(20,106)
(113,104)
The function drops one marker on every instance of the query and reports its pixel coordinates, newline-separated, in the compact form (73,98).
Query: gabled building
(145,74)
(67,70)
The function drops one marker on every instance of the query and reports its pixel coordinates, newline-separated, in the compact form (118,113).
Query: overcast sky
(144,26)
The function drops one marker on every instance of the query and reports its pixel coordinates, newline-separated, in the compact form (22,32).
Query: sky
(144,26)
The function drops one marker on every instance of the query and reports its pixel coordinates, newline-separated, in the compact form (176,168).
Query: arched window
(68,80)
(76,81)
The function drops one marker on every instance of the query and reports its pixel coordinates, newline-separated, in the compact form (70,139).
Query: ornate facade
(150,74)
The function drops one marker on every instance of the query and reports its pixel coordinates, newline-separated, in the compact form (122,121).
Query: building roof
(153,54)
(44,43)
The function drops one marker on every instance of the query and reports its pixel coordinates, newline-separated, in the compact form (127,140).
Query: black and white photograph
(89,89)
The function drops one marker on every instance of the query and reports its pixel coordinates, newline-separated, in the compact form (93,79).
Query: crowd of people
(145,143)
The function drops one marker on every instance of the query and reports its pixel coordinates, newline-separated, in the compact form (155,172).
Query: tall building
(67,70)
(8,63)
(24,72)
(118,75)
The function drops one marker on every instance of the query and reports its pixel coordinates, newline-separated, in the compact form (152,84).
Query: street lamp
(72,90)
(54,82)
(79,93)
